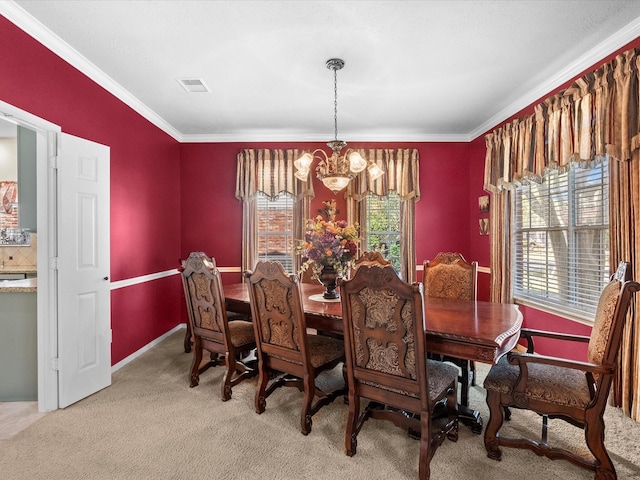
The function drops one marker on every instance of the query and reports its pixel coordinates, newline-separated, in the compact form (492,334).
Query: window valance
(596,116)
(401,174)
(270,172)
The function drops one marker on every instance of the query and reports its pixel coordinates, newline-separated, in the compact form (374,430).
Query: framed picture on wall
(484,226)
(483,203)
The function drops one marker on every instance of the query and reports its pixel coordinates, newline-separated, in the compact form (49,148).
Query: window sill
(585,319)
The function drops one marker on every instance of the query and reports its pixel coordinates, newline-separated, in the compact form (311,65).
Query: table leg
(471,418)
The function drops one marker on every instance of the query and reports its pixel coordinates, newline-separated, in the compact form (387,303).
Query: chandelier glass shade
(335,171)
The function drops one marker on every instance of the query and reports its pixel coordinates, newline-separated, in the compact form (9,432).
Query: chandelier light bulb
(302,174)
(375,171)
(304,162)
(357,163)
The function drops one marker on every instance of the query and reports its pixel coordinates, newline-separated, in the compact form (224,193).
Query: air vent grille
(193,85)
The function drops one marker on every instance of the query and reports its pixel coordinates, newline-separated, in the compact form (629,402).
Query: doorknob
(106,278)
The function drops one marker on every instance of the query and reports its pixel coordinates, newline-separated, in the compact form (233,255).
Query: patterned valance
(595,117)
(270,172)
(401,174)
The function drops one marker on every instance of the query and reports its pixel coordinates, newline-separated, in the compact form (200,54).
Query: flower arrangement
(328,243)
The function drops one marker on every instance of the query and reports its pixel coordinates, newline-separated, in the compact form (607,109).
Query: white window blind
(382,229)
(561,240)
(275,229)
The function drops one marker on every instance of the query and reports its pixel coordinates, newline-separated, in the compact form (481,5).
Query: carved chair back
(371,258)
(204,297)
(386,361)
(278,315)
(287,355)
(606,334)
(384,336)
(449,275)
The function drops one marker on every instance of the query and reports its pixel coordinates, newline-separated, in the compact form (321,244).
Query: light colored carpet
(150,425)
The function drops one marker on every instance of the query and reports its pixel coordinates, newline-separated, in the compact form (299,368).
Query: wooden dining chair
(574,391)
(449,275)
(386,362)
(231,317)
(227,342)
(287,354)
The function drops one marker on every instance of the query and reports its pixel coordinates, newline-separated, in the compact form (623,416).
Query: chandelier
(335,171)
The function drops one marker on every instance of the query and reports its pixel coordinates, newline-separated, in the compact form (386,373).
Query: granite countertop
(19,269)
(19,286)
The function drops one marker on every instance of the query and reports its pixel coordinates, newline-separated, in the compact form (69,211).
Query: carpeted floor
(150,425)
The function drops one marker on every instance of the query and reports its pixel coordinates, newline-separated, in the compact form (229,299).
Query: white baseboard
(147,347)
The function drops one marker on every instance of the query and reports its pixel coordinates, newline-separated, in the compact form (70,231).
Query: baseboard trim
(146,348)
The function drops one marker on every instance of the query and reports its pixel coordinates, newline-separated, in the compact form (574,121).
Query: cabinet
(18,347)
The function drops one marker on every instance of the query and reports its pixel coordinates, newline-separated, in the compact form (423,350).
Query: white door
(84,304)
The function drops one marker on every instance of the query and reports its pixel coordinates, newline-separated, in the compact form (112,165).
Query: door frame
(47,322)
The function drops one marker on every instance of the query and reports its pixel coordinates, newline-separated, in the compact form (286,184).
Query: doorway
(52,225)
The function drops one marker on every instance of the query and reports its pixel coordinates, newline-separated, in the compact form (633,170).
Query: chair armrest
(517,358)
(529,333)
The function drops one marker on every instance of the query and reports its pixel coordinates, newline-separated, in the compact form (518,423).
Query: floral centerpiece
(329,246)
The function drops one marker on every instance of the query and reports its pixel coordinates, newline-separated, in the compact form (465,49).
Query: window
(275,229)
(381,229)
(561,240)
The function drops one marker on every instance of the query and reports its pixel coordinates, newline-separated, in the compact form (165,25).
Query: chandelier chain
(335,104)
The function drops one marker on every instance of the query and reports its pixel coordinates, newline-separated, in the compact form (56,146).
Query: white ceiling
(415,70)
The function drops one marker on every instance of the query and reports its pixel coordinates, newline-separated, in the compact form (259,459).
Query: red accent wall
(145,180)
(480,245)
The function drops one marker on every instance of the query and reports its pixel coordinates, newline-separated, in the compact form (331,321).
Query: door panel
(84,305)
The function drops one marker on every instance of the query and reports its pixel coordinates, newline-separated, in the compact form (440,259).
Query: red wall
(212,216)
(145,173)
(480,245)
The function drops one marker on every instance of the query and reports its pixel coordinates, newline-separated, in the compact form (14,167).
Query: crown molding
(616,41)
(23,20)
(289,138)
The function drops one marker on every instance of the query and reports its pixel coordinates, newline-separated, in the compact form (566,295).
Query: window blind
(561,240)
(275,229)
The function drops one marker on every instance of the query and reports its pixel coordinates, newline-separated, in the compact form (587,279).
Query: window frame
(365,232)
(289,234)
(580,291)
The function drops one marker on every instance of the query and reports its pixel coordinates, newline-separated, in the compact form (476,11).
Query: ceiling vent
(193,85)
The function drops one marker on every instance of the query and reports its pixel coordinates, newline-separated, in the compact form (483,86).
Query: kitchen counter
(19,269)
(27,285)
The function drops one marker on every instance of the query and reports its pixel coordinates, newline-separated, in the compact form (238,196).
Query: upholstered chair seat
(440,377)
(322,350)
(546,383)
(241,333)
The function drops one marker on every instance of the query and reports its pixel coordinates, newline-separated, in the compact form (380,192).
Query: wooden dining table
(472,330)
